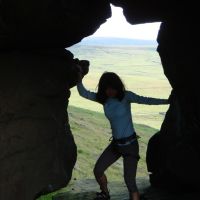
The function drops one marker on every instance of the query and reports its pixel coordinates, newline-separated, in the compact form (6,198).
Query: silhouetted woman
(116,103)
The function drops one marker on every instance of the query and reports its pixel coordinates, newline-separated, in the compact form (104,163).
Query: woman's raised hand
(171,96)
(80,73)
(83,65)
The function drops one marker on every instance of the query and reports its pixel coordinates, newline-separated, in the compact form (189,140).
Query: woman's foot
(143,197)
(102,196)
(134,196)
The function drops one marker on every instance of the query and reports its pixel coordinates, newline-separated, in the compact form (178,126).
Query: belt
(125,140)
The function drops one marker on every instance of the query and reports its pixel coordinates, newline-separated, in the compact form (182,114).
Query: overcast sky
(117,26)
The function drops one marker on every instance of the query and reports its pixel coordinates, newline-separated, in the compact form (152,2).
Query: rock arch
(37,151)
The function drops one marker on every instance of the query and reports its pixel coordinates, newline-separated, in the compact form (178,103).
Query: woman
(116,103)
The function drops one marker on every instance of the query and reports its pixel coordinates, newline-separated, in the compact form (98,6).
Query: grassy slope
(92,132)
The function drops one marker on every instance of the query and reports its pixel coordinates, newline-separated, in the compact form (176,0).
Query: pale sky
(117,26)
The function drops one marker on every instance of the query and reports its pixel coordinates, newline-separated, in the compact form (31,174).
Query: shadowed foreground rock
(37,151)
(37,148)
(49,23)
(173,155)
(86,190)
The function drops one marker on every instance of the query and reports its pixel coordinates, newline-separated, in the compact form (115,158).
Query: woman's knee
(98,172)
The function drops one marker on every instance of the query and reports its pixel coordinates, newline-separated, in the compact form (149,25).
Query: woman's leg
(130,158)
(130,169)
(107,158)
(103,183)
(135,196)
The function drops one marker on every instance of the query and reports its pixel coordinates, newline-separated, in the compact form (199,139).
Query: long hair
(109,79)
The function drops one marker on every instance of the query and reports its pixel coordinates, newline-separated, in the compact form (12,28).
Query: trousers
(130,155)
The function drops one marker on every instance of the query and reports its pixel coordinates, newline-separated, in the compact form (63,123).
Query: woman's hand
(82,68)
(171,96)
(84,64)
(80,73)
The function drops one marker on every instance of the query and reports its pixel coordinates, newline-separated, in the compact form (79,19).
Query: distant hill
(109,41)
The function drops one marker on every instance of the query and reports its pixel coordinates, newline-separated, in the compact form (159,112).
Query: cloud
(117,26)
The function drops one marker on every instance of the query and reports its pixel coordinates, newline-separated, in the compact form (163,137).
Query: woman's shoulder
(128,93)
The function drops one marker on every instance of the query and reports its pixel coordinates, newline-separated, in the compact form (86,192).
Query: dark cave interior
(36,72)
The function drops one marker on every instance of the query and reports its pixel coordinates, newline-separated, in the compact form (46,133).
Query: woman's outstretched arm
(85,93)
(135,98)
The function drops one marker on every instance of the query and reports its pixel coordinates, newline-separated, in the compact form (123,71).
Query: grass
(92,131)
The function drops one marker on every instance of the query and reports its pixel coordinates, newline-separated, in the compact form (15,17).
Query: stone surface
(145,11)
(174,153)
(37,149)
(49,23)
(86,190)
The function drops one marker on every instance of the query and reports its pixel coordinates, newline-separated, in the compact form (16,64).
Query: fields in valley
(140,69)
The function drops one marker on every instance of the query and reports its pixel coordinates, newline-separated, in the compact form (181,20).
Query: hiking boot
(102,196)
(142,197)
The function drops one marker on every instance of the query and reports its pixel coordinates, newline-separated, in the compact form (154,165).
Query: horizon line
(92,37)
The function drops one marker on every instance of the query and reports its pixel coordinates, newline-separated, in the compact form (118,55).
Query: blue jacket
(119,112)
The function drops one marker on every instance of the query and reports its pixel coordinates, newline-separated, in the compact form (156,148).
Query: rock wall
(49,23)
(173,154)
(37,150)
